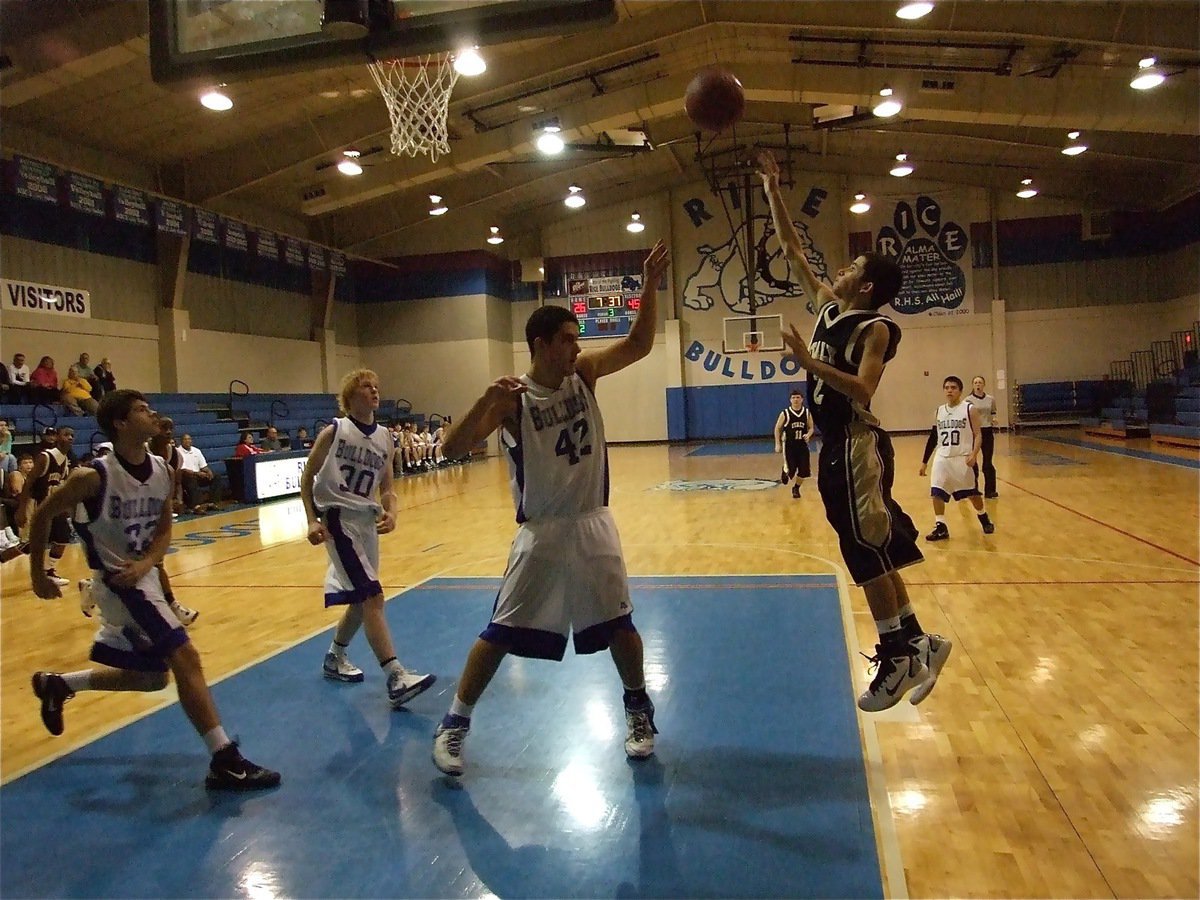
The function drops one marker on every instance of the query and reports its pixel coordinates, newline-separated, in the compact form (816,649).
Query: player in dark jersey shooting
(850,346)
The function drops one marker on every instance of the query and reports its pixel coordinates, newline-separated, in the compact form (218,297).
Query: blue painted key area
(757,788)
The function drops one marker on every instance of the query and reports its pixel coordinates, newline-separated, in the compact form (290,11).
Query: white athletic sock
(79,681)
(216,739)
(941,520)
(458,708)
(338,650)
(905,611)
(392,665)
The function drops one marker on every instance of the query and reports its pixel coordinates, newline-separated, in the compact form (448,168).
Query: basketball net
(417,94)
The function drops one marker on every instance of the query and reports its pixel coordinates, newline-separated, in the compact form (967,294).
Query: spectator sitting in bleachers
(271,442)
(10,493)
(246,446)
(303,441)
(85,370)
(6,386)
(427,449)
(8,462)
(77,394)
(196,476)
(18,377)
(43,382)
(105,380)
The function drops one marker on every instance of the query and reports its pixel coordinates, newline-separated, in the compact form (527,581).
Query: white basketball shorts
(563,575)
(951,477)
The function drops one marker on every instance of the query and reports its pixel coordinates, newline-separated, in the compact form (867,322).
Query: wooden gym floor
(1057,758)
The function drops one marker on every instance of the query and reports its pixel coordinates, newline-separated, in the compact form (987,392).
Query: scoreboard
(605,306)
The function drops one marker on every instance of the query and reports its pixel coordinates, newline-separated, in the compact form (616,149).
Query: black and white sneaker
(894,677)
(989,527)
(230,771)
(933,651)
(56,578)
(940,533)
(52,690)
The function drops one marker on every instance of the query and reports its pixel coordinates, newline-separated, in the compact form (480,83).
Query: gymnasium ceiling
(1012,78)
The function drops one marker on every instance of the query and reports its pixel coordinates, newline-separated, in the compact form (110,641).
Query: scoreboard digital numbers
(607,306)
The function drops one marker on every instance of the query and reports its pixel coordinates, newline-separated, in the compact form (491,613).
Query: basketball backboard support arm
(223,41)
(734,168)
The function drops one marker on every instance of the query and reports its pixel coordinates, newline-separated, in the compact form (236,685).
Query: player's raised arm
(499,402)
(789,238)
(640,340)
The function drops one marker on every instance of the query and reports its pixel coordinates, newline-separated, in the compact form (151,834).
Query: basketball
(714,100)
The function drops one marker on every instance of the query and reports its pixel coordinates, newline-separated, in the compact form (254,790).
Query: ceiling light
(574,198)
(436,206)
(468,62)
(1148,76)
(914,10)
(860,204)
(215,100)
(636,226)
(1027,189)
(888,104)
(495,236)
(1076,146)
(349,167)
(902,166)
(550,143)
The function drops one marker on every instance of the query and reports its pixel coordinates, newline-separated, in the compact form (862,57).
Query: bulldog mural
(720,274)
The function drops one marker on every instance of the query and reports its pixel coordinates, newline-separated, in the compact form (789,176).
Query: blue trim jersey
(837,340)
(557,458)
(353,468)
(120,522)
(954,436)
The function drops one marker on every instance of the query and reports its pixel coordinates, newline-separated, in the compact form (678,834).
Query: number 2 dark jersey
(557,460)
(837,340)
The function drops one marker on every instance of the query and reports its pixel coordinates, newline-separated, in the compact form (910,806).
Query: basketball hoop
(417,94)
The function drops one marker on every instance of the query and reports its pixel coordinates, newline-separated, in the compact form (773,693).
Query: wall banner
(47,298)
(931,250)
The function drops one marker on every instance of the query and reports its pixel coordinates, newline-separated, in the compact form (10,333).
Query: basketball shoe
(230,771)
(640,731)
(52,691)
(940,533)
(338,668)
(56,578)
(87,605)
(448,744)
(185,614)
(402,686)
(894,677)
(933,650)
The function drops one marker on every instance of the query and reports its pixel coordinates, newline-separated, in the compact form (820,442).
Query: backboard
(224,41)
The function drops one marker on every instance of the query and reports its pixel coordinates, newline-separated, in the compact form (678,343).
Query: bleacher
(1060,402)
(1183,428)
(214,420)
(1154,393)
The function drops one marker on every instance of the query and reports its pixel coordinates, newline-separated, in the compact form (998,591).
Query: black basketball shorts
(854,475)
(795,459)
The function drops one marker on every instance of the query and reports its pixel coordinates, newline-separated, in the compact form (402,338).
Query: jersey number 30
(573,449)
